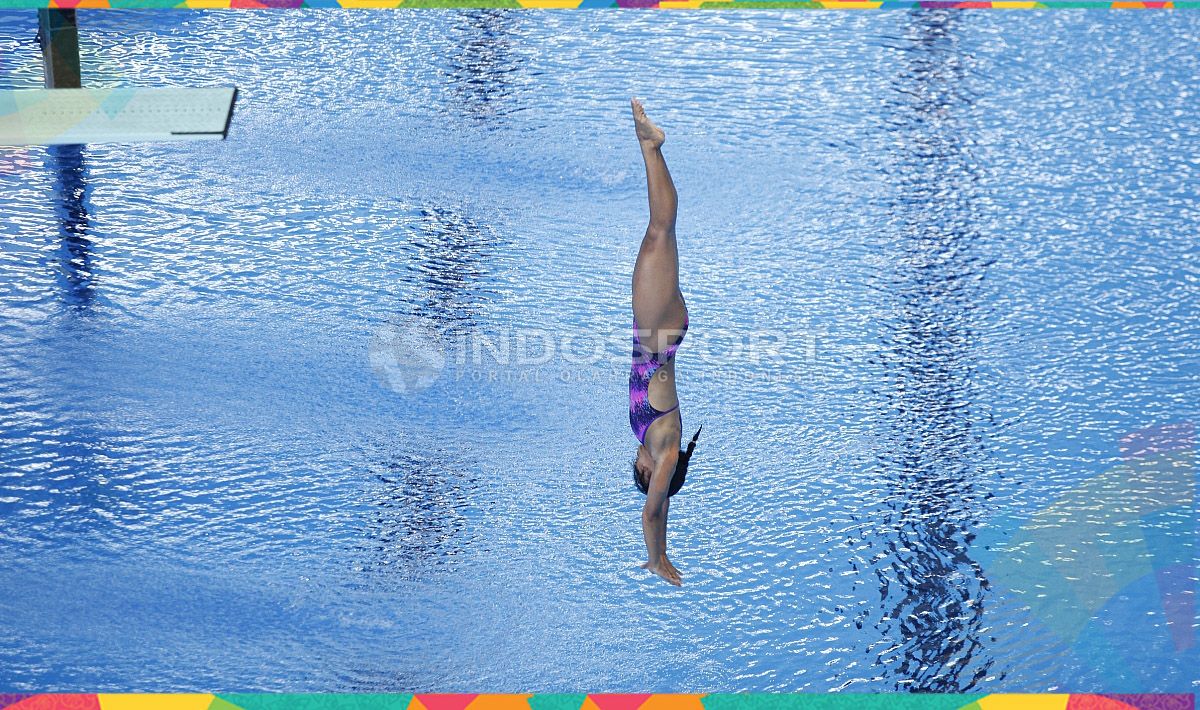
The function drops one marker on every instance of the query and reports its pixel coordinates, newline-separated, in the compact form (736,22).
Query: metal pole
(59,37)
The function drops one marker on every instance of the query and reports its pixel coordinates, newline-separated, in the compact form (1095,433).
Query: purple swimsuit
(645,364)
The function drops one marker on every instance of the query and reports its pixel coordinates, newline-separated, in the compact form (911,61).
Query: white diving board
(118,115)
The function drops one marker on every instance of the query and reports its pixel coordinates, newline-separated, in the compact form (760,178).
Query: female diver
(660,320)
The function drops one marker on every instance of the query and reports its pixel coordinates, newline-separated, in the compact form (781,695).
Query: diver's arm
(654,518)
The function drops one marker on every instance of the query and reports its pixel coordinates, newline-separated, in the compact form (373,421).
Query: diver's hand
(666,570)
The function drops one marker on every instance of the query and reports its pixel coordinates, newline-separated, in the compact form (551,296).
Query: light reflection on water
(976,259)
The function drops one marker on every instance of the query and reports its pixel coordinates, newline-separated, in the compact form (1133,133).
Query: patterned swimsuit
(645,364)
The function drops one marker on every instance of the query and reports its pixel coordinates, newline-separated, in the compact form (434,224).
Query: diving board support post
(58,33)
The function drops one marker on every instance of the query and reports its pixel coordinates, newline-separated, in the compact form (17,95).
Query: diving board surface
(115,115)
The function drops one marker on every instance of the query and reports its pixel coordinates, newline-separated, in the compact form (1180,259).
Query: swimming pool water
(338,404)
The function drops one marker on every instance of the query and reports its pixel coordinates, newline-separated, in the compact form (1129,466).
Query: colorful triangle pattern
(644,4)
(595,701)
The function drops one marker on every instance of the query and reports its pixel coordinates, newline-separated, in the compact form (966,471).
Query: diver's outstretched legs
(657,302)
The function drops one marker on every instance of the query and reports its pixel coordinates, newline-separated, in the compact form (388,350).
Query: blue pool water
(339,404)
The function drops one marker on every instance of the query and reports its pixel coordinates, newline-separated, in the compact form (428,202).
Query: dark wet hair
(681,468)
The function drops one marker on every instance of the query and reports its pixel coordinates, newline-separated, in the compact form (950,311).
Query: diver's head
(643,467)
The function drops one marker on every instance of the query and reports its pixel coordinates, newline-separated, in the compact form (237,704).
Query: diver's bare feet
(671,568)
(649,135)
(665,570)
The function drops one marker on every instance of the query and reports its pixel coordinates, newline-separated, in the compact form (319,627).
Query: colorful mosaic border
(586,4)
(263,701)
